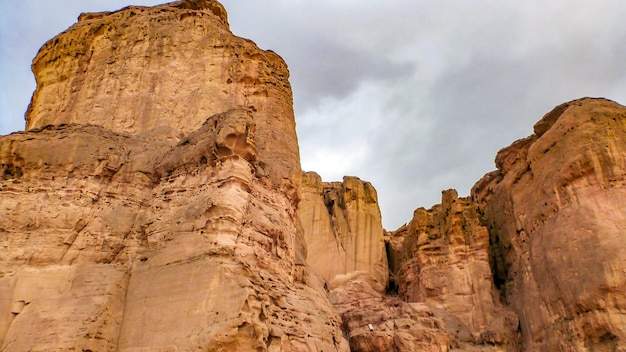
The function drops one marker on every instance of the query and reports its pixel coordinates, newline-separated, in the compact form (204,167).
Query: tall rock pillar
(557,224)
(151,203)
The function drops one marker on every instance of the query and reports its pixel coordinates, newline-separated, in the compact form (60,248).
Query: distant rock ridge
(156,202)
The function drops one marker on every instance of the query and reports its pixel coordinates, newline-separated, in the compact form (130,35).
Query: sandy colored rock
(151,205)
(343,229)
(441,259)
(555,210)
(377,322)
(156,203)
(164,70)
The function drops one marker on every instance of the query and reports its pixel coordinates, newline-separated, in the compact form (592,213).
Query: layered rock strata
(152,202)
(557,225)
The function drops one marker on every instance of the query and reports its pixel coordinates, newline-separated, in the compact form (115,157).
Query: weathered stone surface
(151,205)
(376,322)
(156,203)
(343,229)
(441,259)
(164,70)
(555,212)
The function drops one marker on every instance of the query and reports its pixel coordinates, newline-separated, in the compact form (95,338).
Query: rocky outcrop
(556,219)
(152,202)
(162,71)
(346,248)
(376,322)
(439,266)
(343,229)
(441,260)
(156,202)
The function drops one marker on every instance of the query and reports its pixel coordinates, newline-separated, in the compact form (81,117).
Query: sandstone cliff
(533,261)
(151,203)
(441,258)
(343,229)
(162,71)
(156,203)
(557,225)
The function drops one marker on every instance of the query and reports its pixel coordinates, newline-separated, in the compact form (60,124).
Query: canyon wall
(156,202)
(441,258)
(555,210)
(346,248)
(534,260)
(343,229)
(152,202)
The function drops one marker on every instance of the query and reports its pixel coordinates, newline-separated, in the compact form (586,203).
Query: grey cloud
(325,58)
(327,69)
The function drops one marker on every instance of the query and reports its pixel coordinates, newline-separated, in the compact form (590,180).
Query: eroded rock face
(343,229)
(375,322)
(555,212)
(441,260)
(345,247)
(156,203)
(164,70)
(152,202)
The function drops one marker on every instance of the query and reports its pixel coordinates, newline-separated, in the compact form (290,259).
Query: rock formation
(155,202)
(160,72)
(374,321)
(557,226)
(152,202)
(441,259)
(343,229)
(346,248)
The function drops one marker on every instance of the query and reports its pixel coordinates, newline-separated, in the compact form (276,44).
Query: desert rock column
(152,202)
(555,209)
(441,259)
(343,229)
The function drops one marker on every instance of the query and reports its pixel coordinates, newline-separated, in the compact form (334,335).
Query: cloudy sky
(415,96)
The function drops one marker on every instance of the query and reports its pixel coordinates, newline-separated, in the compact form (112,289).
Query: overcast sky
(415,96)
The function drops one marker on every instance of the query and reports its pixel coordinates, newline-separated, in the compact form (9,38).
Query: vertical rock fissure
(125,302)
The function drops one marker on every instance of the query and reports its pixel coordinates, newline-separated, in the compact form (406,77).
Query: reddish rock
(375,322)
(441,260)
(555,212)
